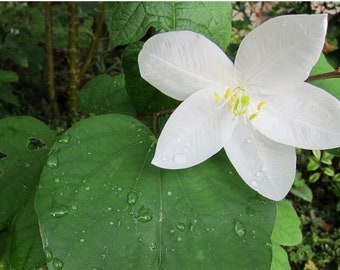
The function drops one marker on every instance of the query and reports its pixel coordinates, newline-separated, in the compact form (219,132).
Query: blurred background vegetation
(41,74)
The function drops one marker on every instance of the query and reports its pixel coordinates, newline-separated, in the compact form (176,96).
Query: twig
(50,61)
(73,69)
(155,116)
(328,75)
(95,39)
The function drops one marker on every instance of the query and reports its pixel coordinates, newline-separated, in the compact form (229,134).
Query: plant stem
(73,70)
(328,75)
(95,38)
(50,61)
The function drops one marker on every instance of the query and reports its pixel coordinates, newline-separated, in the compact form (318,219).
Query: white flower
(258,109)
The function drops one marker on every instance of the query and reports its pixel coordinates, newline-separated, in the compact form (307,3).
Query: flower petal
(266,166)
(195,131)
(281,51)
(307,117)
(183,62)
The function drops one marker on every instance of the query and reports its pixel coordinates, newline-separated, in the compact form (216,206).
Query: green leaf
(102,204)
(330,85)
(105,94)
(6,94)
(26,250)
(313,164)
(335,151)
(8,76)
(144,97)
(287,225)
(24,144)
(128,22)
(280,258)
(303,191)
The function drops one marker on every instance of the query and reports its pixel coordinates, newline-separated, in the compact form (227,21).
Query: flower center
(238,102)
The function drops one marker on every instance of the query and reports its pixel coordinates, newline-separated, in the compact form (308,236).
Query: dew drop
(284,23)
(52,161)
(180,226)
(132,197)
(258,174)
(57,180)
(179,238)
(169,193)
(58,264)
(87,188)
(180,159)
(65,138)
(58,213)
(82,240)
(153,246)
(186,150)
(48,254)
(239,228)
(178,140)
(74,207)
(164,158)
(249,140)
(144,214)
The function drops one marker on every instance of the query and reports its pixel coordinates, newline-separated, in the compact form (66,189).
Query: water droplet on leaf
(48,254)
(58,264)
(52,161)
(180,226)
(65,138)
(144,214)
(239,228)
(132,197)
(249,140)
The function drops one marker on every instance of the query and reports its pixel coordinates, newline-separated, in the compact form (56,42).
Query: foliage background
(316,192)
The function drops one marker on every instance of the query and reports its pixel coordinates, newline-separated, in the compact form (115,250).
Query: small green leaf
(336,177)
(303,191)
(313,164)
(314,177)
(317,154)
(280,258)
(20,165)
(287,225)
(327,158)
(335,151)
(6,94)
(8,76)
(104,204)
(328,171)
(128,22)
(105,94)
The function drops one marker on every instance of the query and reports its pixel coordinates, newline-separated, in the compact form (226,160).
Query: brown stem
(73,70)
(95,39)
(155,118)
(50,61)
(328,75)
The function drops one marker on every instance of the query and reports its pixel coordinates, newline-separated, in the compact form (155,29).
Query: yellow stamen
(260,105)
(217,97)
(228,93)
(252,116)
(245,100)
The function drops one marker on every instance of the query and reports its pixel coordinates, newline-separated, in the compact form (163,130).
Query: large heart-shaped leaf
(102,205)
(24,144)
(127,22)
